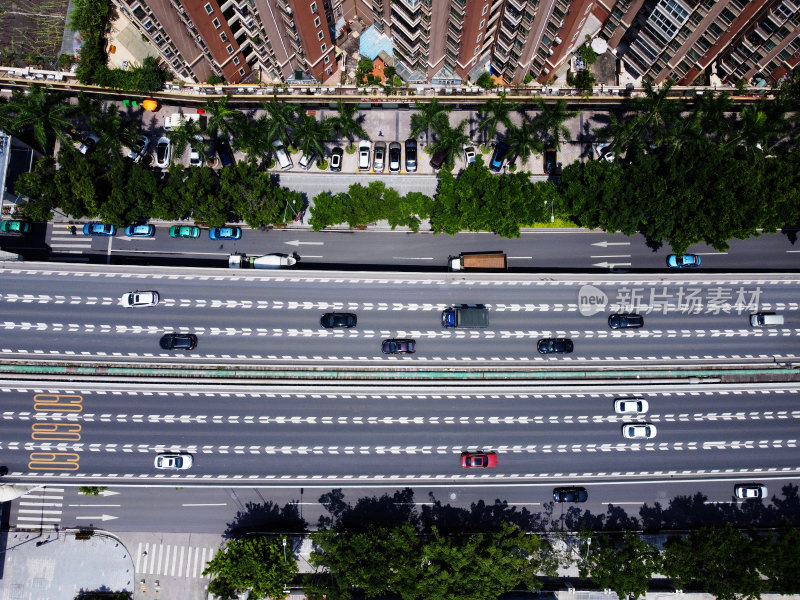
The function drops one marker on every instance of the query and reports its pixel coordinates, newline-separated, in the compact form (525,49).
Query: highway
(70,313)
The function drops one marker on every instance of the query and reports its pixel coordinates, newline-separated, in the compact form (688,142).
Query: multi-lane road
(62,313)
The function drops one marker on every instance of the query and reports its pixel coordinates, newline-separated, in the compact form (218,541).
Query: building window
(482,24)
(241,71)
(480,37)
(229,48)
(485,9)
(209,8)
(325,59)
(236,60)
(323,48)
(477,49)
(314,8)
(320,36)
(216,23)
(223,36)
(316,21)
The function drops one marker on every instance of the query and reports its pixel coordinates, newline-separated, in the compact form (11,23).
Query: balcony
(508,29)
(399,24)
(518,5)
(412,19)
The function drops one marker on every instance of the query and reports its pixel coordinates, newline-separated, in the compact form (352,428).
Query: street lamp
(284,550)
(552,214)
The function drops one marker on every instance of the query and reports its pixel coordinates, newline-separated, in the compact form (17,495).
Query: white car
(750,491)
(630,406)
(132,299)
(364,148)
(638,431)
(88,144)
(195,159)
(307,160)
(469,154)
(604,152)
(163,152)
(173,462)
(139,148)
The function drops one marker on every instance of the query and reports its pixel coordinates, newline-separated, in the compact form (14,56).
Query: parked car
(337,320)
(195,159)
(88,143)
(141,230)
(178,341)
(225,233)
(174,462)
(439,158)
(498,157)
(638,431)
(554,346)
(336,159)
(604,152)
(133,299)
(395,157)
(99,229)
(224,152)
(14,227)
(570,494)
(550,161)
(411,155)
(750,491)
(364,148)
(184,231)
(630,406)
(625,321)
(307,160)
(379,157)
(396,346)
(478,460)
(469,155)
(139,148)
(163,152)
(680,261)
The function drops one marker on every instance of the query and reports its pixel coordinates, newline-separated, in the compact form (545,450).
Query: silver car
(379,157)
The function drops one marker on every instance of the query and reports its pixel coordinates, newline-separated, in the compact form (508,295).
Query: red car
(478,460)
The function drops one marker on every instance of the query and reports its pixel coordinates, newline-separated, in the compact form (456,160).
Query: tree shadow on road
(266,517)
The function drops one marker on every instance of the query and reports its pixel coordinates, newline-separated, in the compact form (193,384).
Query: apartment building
(241,41)
(689,42)
(446,42)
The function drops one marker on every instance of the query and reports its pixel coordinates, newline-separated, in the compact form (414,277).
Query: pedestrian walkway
(174,560)
(62,241)
(39,509)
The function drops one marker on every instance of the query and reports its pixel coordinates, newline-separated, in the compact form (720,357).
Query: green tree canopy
(623,565)
(255,565)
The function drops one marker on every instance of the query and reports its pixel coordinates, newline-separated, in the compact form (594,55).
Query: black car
(224,152)
(179,341)
(336,159)
(332,320)
(498,156)
(570,494)
(625,321)
(394,157)
(411,155)
(554,346)
(550,160)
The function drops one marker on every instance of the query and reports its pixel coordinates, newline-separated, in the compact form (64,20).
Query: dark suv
(179,341)
(625,321)
(411,155)
(570,494)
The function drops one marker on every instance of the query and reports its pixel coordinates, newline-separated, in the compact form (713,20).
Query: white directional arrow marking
(609,265)
(298,242)
(108,493)
(607,244)
(101,517)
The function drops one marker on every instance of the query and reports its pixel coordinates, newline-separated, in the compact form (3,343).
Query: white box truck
(268,261)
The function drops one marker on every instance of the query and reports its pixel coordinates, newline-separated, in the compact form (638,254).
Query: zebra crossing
(40,509)
(63,242)
(172,560)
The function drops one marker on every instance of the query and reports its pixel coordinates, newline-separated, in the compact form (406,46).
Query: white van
(766,320)
(284,162)
(178,119)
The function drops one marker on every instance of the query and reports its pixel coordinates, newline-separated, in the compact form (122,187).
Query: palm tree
(428,115)
(522,141)
(550,122)
(184,135)
(255,140)
(621,130)
(40,117)
(346,124)
(449,139)
(757,127)
(221,119)
(496,112)
(654,109)
(681,132)
(714,111)
(310,133)
(281,120)
(113,131)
